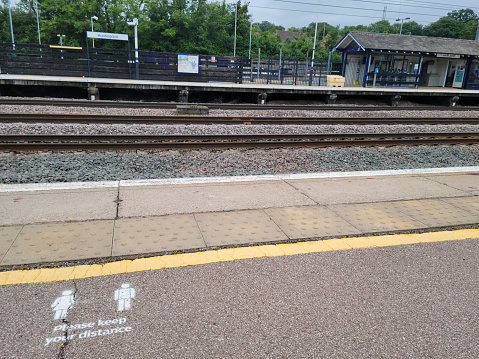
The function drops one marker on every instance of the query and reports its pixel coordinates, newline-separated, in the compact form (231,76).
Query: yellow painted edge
(44,275)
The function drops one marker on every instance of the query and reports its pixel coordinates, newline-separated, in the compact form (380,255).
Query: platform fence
(288,71)
(52,60)
(48,60)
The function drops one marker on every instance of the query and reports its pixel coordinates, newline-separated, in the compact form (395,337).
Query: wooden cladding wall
(31,59)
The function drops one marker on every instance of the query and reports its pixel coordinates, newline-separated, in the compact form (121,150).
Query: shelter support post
(394,100)
(367,68)
(93,93)
(453,101)
(183,96)
(343,63)
(419,70)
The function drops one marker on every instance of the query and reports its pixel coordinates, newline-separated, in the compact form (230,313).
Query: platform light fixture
(135,24)
(402,20)
(96,19)
(61,39)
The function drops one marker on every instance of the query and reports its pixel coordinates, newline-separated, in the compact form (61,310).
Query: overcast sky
(299,13)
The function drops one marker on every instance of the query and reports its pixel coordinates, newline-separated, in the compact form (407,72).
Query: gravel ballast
(104,166)
(101,166)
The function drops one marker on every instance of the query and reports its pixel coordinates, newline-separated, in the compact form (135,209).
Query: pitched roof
(396,42)
(291,35)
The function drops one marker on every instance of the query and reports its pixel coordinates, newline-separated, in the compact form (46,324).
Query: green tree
(269,42)
(468,32)
(444,27)
(345,29)
(410,27)
(384,27)
(463,15)
(268,26)
(297,48)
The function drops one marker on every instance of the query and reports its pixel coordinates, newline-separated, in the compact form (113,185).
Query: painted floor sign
(90,329)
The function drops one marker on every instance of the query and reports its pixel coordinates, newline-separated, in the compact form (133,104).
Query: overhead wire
(363,9)
(435,7)
(325,13)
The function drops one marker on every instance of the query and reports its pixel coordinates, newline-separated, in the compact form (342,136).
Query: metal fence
(48,60)
(275,70)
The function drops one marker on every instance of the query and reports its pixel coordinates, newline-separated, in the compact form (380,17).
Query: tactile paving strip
(469,204)
(60,242)
(7,236)
(156,234)
(376,217)
(310,222)
(238,227)
(435,213)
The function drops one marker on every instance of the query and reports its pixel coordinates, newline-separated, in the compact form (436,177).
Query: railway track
(226,106)
(248,120)
(143,142)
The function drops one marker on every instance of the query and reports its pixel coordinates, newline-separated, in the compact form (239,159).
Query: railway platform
(260,93)
(50,224)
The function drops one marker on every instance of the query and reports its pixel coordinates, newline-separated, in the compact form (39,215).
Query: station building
(374,59)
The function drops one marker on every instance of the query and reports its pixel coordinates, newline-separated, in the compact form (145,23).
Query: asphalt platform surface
(413,301)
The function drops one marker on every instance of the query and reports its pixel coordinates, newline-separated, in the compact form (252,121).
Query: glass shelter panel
(473,77)
(394,70)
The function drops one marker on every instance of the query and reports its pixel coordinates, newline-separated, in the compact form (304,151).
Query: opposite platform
(62,222)
(179,91)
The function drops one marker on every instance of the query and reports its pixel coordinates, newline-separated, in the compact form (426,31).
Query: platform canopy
(362,41)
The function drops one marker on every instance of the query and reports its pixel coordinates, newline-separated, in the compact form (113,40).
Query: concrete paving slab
(161,200)
(7,236)
(240,227)
(469,204)
(61,242)
(156,234)
(435,213)
(463,182)
(54,206)
(372,189)
(310,222)
(376,217)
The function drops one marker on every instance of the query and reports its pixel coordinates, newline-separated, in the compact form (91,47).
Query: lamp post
(312,57)
(93,18)
(135,24)
(11,24)
(250,31)
(61,39)
(402,20)
(236,19)
(38,23)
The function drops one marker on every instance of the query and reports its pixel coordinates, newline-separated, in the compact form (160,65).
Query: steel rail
(231,120)
(138,142)
(226,106)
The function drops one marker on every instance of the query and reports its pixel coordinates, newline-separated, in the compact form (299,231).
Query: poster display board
(188,64)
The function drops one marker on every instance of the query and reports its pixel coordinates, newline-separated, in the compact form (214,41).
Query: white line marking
(226,179)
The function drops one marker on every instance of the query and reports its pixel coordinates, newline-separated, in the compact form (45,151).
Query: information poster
(188,64)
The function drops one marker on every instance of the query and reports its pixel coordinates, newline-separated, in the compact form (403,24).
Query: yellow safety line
(44,275)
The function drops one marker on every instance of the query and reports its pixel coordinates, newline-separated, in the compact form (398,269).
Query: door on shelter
(451,69)
(459,74)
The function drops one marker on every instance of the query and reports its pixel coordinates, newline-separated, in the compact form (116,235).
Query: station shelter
(374,59)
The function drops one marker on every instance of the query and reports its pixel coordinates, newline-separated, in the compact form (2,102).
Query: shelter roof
(396,42)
